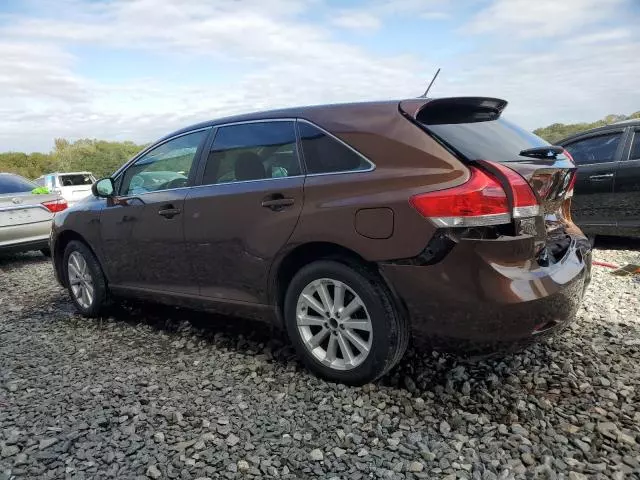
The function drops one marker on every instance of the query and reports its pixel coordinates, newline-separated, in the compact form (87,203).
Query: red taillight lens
(572,183)
(55,205)
(525,202)
(480,201)
(568,155)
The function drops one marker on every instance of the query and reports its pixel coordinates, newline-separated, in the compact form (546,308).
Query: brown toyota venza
(349,225)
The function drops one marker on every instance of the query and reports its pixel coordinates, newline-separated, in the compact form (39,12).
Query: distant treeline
(102,157)
(97,156)
(558,131)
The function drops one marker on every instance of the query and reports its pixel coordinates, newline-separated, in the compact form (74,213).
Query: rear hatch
(472,129)
(75,186)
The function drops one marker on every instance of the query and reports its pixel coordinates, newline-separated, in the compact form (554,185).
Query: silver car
(26,214)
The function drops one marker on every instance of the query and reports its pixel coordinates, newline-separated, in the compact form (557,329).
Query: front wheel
(344,323)
(85,279)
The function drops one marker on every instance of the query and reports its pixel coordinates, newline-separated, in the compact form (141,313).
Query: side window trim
(619,148)
(372,166)
(192,173)
(203,158)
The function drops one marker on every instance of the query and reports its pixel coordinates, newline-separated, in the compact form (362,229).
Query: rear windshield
(498,140)
(76,179)
(15,184)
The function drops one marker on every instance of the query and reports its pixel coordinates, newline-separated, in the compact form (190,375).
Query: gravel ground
(152,392)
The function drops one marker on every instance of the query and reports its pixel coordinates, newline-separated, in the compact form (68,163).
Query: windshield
(10,183)
(498,140)
(76,179)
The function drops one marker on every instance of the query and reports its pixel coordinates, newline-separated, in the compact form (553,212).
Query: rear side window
(252,151)
(497,140)
(15,184)
(75,180)
(600,149)
(635,146)
(325,154)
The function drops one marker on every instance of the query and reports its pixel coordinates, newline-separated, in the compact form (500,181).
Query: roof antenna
(424,95)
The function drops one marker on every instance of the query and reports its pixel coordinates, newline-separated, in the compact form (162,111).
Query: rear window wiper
(548,151)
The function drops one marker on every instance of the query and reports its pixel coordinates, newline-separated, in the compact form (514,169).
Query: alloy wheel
(80,279)
(334,324)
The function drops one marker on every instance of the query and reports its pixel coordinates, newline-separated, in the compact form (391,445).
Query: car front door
(627,187)
(594,204)
(142,227)
(245,209)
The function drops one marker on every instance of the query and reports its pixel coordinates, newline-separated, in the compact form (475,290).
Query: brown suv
(351,225)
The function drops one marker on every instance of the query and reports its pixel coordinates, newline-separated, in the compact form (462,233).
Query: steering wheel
(175,183)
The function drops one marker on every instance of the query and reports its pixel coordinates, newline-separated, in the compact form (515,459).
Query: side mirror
(103,188)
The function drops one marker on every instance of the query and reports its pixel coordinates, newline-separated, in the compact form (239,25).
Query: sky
(138,69)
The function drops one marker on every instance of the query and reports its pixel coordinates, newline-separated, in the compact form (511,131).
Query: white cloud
(288,62)
(286,57)
(356,20)
(541,18)
(371,15)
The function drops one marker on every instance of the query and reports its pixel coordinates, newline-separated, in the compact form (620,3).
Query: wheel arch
(306,253)
(63,239)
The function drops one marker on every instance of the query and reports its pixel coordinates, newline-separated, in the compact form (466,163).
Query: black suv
(607,191)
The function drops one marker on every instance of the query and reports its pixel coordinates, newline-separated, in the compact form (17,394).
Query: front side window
(600,149)
(324,154)
(165,167)
(252,151)
(635,146)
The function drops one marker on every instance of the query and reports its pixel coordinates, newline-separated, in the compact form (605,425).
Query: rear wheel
(85,279)
(343,322)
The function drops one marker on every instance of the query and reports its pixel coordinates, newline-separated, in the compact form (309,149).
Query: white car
(73,186)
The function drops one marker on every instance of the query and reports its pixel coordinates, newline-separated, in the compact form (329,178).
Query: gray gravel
(152,392)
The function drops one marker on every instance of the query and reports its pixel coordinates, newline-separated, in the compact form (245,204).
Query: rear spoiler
(450,110)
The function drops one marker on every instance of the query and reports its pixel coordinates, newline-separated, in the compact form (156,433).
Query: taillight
(525,203)
(55,206)
(572,183)
(479,201)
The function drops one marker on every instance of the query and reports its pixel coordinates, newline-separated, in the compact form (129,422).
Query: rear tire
(85,279)
(344,323)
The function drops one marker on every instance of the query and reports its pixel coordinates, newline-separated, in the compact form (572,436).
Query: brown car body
(227,253)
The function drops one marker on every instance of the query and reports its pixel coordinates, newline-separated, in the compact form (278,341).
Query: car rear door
(627,186)
(245,209)
(142,228)
(596,156)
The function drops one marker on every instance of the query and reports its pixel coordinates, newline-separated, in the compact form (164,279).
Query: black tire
(390,328)
(46,252)
(101,294)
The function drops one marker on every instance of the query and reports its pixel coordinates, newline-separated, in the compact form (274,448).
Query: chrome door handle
(601,177)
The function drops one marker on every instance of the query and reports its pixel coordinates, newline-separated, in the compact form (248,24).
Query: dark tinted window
(252,151)
(598,149)
(324,154)
(635,146)
(497,140)
(15,184)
